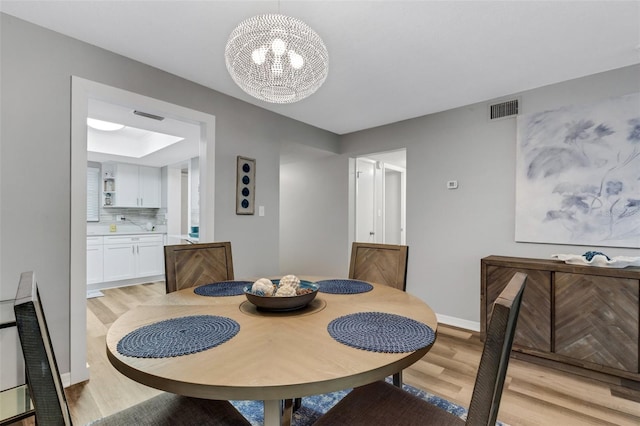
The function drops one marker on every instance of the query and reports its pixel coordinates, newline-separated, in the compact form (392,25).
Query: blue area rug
(314,406)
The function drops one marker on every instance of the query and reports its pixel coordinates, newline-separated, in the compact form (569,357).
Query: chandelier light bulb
(276,58)
(259,55)
(279,47)
(296,60)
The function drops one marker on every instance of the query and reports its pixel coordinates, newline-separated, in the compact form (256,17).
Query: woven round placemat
(344,286)
(178,336)
(381,332)
(222,288)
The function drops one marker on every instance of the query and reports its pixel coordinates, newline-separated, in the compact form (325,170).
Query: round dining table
(275,356)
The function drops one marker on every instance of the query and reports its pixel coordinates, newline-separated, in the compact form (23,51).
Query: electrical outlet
(452,184)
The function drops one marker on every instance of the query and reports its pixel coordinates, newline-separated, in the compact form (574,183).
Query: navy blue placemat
(178,336)
(381,332)
(343,286)
(222,288)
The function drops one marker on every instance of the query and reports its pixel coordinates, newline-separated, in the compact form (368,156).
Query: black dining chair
(380,403)
(47,393)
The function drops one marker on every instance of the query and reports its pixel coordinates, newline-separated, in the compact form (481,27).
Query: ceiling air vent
(503,109)
(148,115)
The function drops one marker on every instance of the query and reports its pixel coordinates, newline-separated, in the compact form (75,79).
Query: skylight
(129,142)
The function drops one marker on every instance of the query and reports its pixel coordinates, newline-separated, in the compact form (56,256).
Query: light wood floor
(533,395)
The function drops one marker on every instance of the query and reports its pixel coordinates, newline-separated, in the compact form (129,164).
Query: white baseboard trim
(78,377)
(66,379)
(123,283)
(459,322)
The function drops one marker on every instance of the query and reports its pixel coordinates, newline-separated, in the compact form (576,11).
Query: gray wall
(313,217)
(449,231)
(35,77)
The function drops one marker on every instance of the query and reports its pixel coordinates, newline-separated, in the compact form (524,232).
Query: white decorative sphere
(263,285)
(285,291)
(290,281)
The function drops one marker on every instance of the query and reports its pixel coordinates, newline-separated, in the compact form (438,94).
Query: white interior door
(392,207)
(365,201)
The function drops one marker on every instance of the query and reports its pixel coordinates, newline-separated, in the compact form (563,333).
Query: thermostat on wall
(452,184)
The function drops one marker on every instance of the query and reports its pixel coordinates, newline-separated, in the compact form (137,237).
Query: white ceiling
(140,131)
(389,60)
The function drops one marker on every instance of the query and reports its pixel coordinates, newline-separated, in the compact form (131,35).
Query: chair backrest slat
(191,265)
(379,263)
(487,392)
(43,377)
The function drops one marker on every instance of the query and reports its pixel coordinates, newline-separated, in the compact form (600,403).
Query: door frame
(353,196)
(81,91)
(403,200)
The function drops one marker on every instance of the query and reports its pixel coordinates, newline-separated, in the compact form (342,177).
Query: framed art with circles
(245,185)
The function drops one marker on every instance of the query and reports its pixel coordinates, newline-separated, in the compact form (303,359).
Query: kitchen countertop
(97,230)
(186,237)
(107,233)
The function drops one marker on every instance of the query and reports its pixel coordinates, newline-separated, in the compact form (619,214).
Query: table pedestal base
(278,412)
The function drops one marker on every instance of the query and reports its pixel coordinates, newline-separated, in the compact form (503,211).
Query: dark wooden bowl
(286,303)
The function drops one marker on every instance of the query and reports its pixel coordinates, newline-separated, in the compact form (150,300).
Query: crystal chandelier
(276,58)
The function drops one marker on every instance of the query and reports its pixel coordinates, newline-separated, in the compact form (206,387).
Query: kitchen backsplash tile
(138,217)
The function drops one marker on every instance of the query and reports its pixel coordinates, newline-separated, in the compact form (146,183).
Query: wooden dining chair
(380,403)
(191,265)
(379,263)
(383,264)
(47,393)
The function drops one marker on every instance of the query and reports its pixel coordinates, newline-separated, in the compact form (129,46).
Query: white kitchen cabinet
(149,186)
(135,186)
(95,267)
(133,256)
(150,258)
(119,261)
(126,182)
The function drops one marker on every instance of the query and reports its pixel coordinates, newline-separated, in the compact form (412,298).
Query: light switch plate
(452,184)
(261,211)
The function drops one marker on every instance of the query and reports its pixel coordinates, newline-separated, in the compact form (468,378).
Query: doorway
(82,91)
(380,188)
(127,137)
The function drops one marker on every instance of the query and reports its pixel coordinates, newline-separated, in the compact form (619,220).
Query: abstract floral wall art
(578,174)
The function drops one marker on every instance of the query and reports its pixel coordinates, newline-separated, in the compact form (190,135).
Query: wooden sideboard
(583,319)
